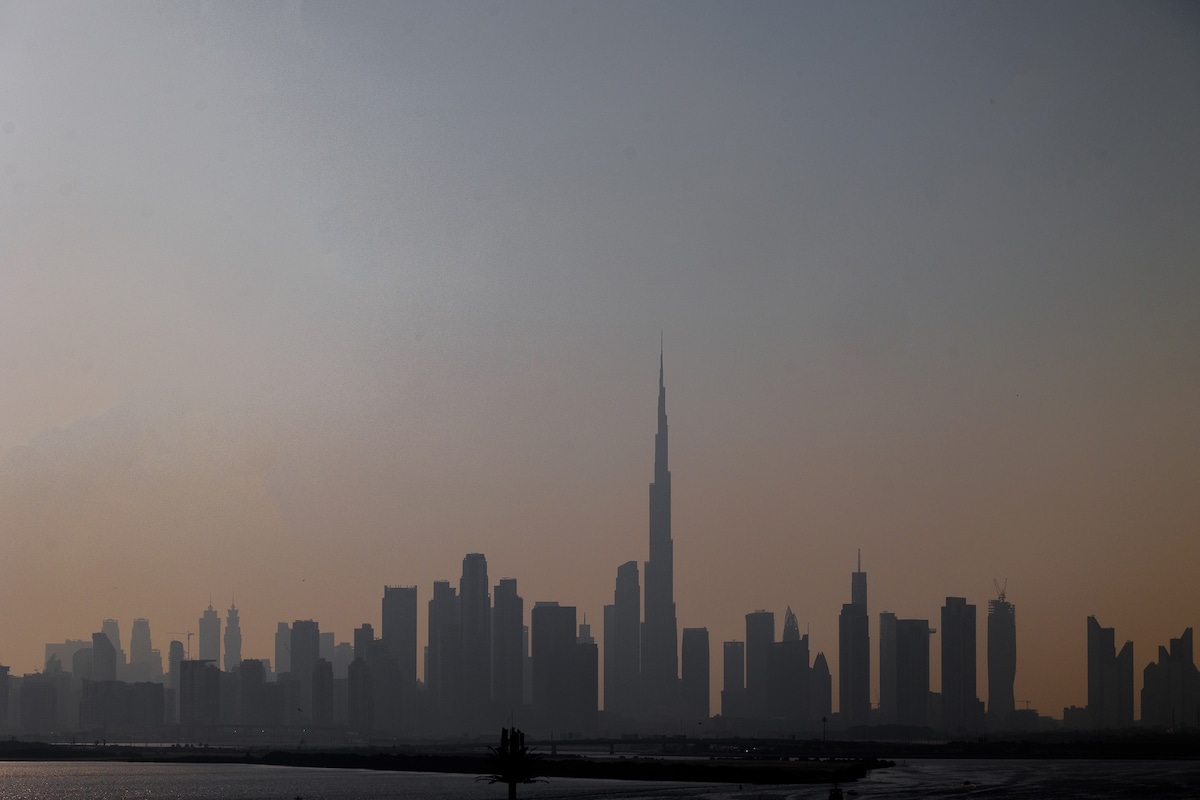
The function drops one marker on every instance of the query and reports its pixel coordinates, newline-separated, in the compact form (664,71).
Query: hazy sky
(298,300)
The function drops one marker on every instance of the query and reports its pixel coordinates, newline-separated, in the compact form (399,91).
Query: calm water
(915,779)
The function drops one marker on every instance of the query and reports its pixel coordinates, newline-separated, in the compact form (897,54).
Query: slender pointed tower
(854,653)
(210,635)
(233,638)
(660,641)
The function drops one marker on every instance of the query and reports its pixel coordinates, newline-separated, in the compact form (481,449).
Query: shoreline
(639,768)
(752,771)
(754,762)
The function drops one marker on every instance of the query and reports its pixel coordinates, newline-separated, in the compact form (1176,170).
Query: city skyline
(460,657)
(772,680)
(296,304)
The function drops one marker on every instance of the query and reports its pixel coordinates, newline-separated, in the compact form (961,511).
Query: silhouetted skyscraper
(104,658)
(252,692)
(112,630)
(526,667)
(959,701)
(283,648)
(1002,658)
(1125,671)
(443,668)
(475,619)
(233,639)
(174,657)
(322,693)
(210,635)
(622,643)
(64,651)
(3,693)
(585,689)
(382,681)
(38,701)
(694,680)
(564,670)
(887,668)
(1110,678)
(139,643)
(361,703)
(791,627)
(399,630)
(363,636)
(508,618)
(306,645)
(1171,688)
(820,689)
(733,681)
(199,697)
(141,656)
(660,648)
(81,666)
(854,653)
(343,654)
(912,672)
(305,652)
(145,662)
(552,631)
(760,635)
(789,685)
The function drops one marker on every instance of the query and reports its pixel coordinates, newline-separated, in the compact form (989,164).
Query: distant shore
(746,761)
(759,771)
(639,768)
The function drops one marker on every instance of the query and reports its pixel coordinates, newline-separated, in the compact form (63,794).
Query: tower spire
(660,640)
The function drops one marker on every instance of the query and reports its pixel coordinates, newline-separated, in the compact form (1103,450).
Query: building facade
(398,629)
(622,644)
(912,672)
(210,635)
(694,680)
(1110,679)
(760,636)
(854,654)
(508,622)
(1002,659)
(475,621)
(233,639)
(959,703)
(660,641)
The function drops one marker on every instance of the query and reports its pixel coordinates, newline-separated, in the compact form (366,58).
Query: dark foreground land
(761,770)
(748,761)
(639,769)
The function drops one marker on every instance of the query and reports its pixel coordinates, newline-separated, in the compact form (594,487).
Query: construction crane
(189,636)
(1000,589)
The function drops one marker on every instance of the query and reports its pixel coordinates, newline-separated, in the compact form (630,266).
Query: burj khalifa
(660,651)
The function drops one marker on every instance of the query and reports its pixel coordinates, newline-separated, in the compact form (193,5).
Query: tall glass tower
(660,641)
(233,639)
(1002,658)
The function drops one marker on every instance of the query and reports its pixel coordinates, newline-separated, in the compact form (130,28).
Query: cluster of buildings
(487,663)
(483,668)
(1170,697)
(779,691)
